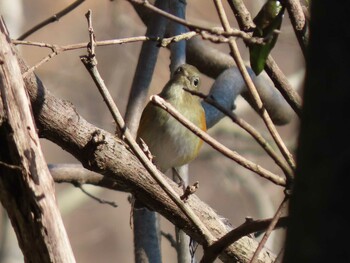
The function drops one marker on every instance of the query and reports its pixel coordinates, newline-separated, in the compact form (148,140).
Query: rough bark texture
(26,186)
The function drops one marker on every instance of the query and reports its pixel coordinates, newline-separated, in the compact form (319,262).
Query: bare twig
(190,189)
(164,42)
(57,49)
(10,166)
(282,84)
(248,227)
(170,238)
(77,174)
(199,28)
(242,15)
(52,19)
(279,79)
(297,18)
(271,227)
(41,62)
(218,146)
(250,129)
(251,87)
(90,63)
(99,200)
(92,43)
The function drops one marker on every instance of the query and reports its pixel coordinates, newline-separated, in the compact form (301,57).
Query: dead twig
(199,28)
(277,76)
(248,227)
(251,87)
(271,227)
(250,129)
(57,49)
(278,180)
(51,19)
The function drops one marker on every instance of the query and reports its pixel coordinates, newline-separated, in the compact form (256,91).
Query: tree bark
(26,186)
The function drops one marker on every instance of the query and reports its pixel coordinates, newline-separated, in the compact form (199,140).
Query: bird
(170,143)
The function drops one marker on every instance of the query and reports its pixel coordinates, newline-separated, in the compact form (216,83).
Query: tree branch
(297,18)
(252,89)
(278,180)
(26,192)
(51,19)
(279,79)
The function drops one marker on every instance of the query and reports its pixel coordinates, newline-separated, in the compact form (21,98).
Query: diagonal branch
(280,80)
(278,180)
(251,87)
(299,23)
(248,227)
(27,193)
(250,129)
(270,228)
(199,28)
(51,19)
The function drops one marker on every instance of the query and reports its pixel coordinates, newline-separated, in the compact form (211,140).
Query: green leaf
(267,21)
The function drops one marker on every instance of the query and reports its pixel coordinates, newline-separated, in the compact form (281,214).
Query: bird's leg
(179,180)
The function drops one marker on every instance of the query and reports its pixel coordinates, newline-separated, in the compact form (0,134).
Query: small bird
(171,143)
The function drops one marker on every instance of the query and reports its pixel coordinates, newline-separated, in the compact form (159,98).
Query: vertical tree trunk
(26,186)
(319,205)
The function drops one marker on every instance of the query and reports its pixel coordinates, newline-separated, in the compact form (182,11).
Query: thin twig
(282,84)
(250,129)
(251,87)
(57,49)
(297,18)
(92,43)
(199,28)
(248,227)
(271,227)
(277,76)
(51,19)
(10,166)
(164,42)
(99,200)
(90,63)
(41,62)
(216,145)
(170,238)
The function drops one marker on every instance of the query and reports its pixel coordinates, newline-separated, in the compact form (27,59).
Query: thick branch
(26,186)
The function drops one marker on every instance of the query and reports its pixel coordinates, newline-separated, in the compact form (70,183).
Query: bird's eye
(195,82)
